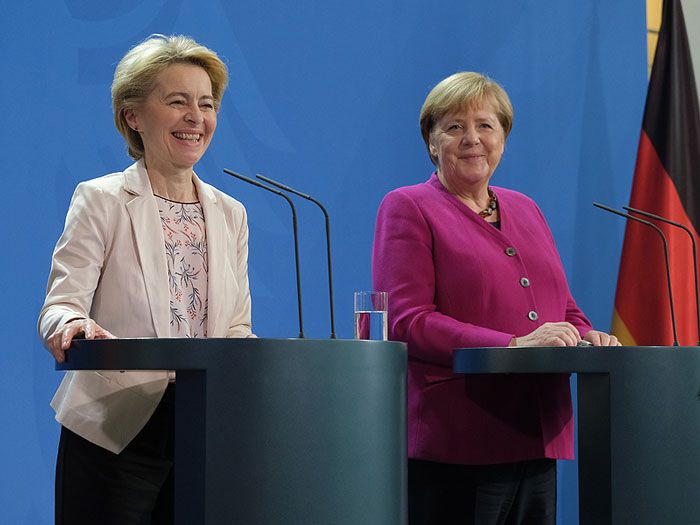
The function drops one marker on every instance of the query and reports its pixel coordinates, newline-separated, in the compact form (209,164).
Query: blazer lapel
(150,245)
(215,225)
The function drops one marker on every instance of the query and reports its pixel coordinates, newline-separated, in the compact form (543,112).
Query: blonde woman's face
(177,120)
(468,145)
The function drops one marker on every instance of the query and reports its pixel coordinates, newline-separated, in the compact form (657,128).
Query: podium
(638,425)
(278,431)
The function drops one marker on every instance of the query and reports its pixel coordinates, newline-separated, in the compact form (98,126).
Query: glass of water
(371,315)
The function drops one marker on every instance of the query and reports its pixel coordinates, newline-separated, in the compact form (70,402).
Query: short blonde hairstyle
(135,76)
(460,91)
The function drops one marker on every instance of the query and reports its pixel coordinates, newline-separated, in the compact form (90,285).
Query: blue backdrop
(325,96)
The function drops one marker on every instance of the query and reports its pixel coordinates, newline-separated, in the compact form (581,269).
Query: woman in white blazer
(151,251)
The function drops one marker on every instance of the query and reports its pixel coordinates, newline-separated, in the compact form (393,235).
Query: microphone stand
(695,252)
(328,239)
(296,237)
(668,267)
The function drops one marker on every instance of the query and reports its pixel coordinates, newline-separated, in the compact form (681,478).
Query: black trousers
(135,487)
(523,493)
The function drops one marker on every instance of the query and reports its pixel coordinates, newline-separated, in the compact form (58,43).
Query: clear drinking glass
(371,315)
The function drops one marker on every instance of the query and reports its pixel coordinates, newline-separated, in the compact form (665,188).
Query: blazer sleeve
(240,324)
(77,260)
(402,265)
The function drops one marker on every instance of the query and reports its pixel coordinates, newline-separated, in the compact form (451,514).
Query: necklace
(491,207)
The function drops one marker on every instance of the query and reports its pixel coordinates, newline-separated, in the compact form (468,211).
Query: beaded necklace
(491,207)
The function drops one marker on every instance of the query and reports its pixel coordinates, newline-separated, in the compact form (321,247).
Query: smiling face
(468,145)
(177,120)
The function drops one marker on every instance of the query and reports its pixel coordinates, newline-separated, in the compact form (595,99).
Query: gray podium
(638,426)
(278,431)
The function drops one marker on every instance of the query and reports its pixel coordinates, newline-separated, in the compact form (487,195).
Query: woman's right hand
(550,334)
(60,340)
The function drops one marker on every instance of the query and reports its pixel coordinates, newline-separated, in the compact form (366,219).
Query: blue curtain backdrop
(325,96)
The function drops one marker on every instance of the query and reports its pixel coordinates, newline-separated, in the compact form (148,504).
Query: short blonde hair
(459,91)
(136,73)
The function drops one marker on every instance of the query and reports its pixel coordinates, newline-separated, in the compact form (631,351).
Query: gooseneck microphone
(328,239)
(695,251)
(296,236)
(668,268)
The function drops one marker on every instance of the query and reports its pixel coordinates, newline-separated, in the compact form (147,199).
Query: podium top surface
(598,359)
(203,354)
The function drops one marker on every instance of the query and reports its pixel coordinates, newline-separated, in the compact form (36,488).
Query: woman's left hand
(597,338)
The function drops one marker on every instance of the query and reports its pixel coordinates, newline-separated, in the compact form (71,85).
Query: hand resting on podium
(563,334)
(61,339)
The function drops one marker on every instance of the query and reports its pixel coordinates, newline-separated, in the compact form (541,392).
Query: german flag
(666,182)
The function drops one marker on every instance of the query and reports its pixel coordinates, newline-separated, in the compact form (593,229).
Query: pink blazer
(456,281)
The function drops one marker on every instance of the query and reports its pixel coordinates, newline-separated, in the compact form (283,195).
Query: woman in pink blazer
(151,251)
(467,264)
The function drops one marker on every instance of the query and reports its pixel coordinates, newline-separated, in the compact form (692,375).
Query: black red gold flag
(666,182)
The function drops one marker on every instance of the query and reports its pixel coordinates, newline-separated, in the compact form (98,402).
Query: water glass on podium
(371,315)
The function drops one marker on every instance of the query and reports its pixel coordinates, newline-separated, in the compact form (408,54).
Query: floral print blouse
(186,254)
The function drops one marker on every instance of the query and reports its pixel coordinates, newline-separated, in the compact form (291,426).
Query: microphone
(695,252)
(296,237)
(668,268)
(328,239)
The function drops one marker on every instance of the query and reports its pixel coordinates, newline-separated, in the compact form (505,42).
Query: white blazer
(110,265)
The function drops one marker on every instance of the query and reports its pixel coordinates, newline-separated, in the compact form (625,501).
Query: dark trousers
(523,493)
(135,487)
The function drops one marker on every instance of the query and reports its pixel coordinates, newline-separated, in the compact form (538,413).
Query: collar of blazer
(136,182)
(150,245)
